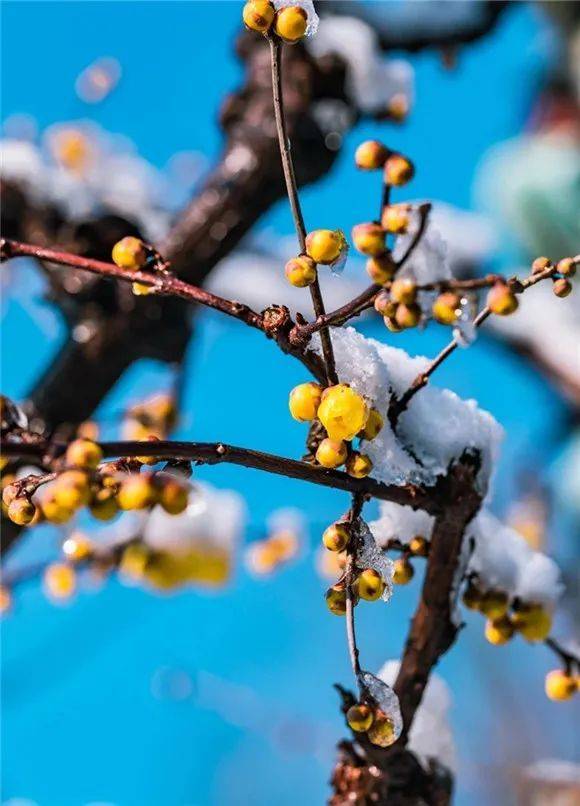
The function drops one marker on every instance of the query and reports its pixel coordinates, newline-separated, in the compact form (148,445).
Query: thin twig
(353,651)
(275,321)
(162,283)
(216,452)
(400,404)
(365,299)
(292,189)
(568,658)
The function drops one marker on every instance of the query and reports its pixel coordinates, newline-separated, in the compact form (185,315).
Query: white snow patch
(437,426)
(503,559)
(307,6)
(372,80)
(213,516)
(400,522)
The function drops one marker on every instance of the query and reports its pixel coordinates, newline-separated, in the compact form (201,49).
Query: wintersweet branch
(517,286)
(292,190)
(364,300)
(211,453)
(350,575)
(275,321)
(161,282)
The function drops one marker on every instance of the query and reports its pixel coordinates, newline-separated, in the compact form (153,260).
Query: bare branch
(212,453)
(292,190)
(399,405)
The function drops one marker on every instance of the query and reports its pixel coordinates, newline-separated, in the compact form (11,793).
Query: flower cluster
(345,415)
(289,22)
(378,726)
(85,481)
(134,255)
(506,618)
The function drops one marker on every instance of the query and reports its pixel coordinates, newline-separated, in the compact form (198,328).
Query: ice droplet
(465,331)
(307,6)
(369,555)
(337,266)
(385,698)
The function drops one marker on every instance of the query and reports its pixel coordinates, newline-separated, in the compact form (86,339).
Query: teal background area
(88,713)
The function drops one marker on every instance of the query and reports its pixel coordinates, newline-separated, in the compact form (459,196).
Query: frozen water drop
(369,555)
(385,699)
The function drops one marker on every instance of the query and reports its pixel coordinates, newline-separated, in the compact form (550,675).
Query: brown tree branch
(215,453)
(292,191)
(365,299)
(399,405)
(433,629)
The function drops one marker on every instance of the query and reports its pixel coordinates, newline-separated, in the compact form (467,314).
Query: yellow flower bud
(369,239)
(445,308)
(499,631)
(501,300)
(104,505)
(391,324)
(395,218)
(343,412)
(336,599)
(21,511)
(331,453)
(381,268)
(54,512)
(371,155)
(533,622)
(142,289)
(567,267)
(9,493)
(381,732)
(336,537)
(373,426)
(408,315)
(472,597)
(358,465)
(404,291)
(134,561)
(59,581)
(494,604)
(130,253)
(559,685)
(291,23)
(540,264)
(83,453)
(173,497)
(370,585)
(418,546)
(304,401)
(562,287)
(359,717)
(258,15)
(136,492)
(384,304)
(398,170)
(71,489)
(403,571)
(301,271)
(324,245)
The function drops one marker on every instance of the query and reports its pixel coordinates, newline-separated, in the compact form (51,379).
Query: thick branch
(433,629)
(215,453)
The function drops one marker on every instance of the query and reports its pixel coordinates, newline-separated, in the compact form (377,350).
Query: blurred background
(221,692)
